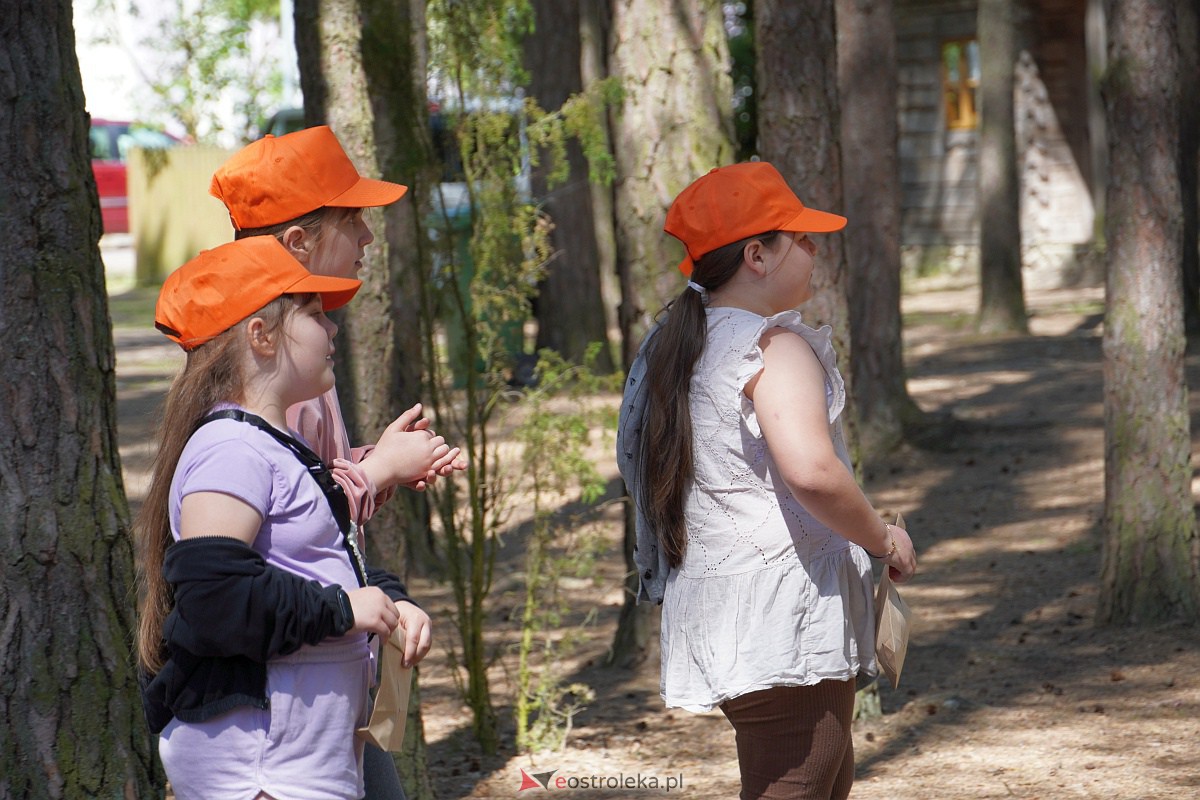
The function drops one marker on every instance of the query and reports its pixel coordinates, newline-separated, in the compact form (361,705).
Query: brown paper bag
(385,730)
(892,619)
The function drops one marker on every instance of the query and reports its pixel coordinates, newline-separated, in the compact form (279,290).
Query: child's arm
(416,623)
(789,400)
(319,423)
(409,453)
(229,601)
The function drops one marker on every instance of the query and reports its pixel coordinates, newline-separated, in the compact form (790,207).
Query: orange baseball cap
(737,202)
(221,287)
(279,178)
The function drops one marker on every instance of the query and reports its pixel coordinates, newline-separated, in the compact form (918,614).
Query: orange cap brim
(369,193)
(334,292)
(810,220)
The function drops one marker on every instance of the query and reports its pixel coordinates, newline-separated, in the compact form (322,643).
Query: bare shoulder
(787,361)
(782,347)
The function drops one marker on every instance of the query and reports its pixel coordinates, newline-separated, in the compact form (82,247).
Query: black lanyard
(334,493)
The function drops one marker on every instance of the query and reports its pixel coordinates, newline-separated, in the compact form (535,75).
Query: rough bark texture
(361,69)
(570,312)
(1001,297)
(674,126)
(1189,159)
(871,182)
(1149,565)
(799,132)
(73,724)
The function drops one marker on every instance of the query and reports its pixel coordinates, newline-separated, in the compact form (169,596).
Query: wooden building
(1059,129)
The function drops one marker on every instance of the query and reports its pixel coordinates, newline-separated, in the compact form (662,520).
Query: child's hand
(902,562)
(418,632)
(409,449)
(374,611)
(442,467)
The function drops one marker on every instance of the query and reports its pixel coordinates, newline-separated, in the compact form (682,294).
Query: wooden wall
(939,167)
(171,214)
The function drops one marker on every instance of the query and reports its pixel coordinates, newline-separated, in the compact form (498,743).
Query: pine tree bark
(362,71)
(570,312)
(871,183)
(799,132)
(1189,160)
(674,126)
(1001,295)
(1149,566)
(73,723)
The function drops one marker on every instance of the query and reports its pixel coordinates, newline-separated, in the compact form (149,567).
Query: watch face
(346,609)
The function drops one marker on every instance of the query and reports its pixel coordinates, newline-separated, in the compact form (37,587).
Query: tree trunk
(1189,160)
(1149,565)
(73,723)
(799,132)
(570,312)
(675,125)
(871,180)
(595,21)
(1001,297)
(362,67)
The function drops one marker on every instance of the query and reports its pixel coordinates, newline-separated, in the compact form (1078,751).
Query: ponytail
(665,456)
(666,441)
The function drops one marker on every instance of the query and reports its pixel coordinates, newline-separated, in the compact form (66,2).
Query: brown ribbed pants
(793,742)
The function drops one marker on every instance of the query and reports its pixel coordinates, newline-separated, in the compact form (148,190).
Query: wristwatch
(347,610)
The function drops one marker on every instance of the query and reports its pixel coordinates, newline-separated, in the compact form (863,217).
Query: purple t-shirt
(298,533)
(302,746)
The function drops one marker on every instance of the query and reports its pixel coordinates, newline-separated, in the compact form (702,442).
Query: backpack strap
(335,495)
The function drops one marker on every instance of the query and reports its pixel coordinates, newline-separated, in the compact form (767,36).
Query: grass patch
(133,308)
(946,320)
(1083,308)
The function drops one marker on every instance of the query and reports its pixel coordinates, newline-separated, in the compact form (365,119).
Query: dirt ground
(1010,689)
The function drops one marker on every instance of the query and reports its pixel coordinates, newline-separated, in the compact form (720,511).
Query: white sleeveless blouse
(766,595)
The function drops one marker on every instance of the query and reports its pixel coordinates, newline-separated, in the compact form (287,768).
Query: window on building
(960,82)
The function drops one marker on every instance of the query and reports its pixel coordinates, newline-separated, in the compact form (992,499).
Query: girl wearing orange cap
(752,531)
(255,605)
(303,190)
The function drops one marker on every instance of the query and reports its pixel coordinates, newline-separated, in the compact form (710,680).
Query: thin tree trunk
(871,180)
(362,67)
(570,312)
(595,20)
(1189,159)
(675,125)
(73,722)
(1149,565)
(1001,296)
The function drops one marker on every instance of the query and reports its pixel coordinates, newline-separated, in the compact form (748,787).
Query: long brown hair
(665,455)
(212,374)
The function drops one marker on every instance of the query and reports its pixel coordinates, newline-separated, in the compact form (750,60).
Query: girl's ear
(754,254)
(298,243)
(261,342)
